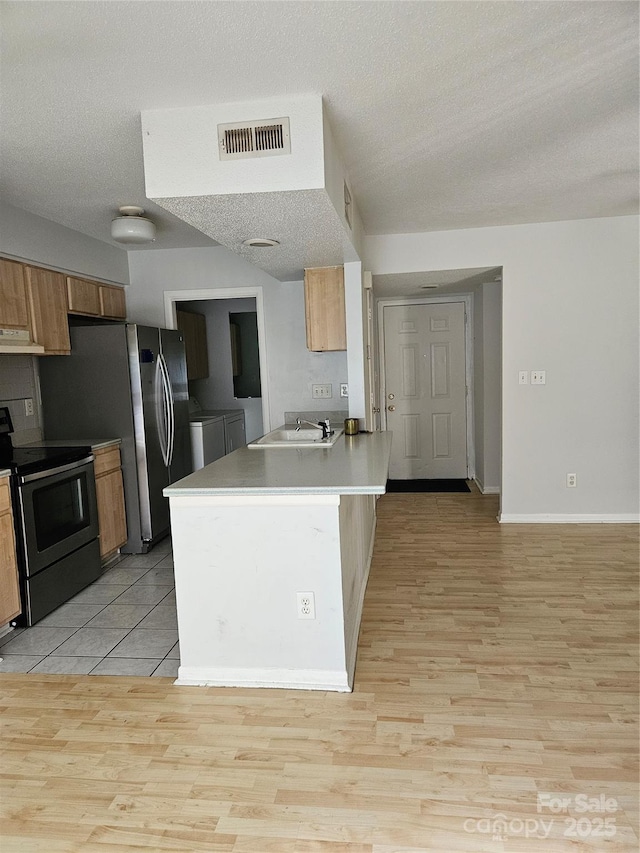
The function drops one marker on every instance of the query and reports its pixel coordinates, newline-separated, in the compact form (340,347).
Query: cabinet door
(48,303)
(106,459)
(234,434)
(84,297)
(325,309)
(14,311)
(111,513)
(194,328)
(112,302)
(9,586)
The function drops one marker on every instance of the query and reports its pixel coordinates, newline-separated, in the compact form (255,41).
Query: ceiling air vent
(254,139)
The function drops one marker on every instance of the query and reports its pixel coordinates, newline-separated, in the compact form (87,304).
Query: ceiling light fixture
(260,242)
(429,286)
(132,227)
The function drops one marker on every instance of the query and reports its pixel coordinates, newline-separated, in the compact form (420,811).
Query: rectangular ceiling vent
(254,139)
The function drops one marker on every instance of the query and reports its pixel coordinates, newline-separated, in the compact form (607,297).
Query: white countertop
(356,464)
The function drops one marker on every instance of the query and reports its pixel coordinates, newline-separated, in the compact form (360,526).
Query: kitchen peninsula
(254,530)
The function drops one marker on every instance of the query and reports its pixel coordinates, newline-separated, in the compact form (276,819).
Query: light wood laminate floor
(494,709)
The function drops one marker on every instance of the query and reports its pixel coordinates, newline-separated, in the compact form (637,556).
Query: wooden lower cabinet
(9,585)
(110,496)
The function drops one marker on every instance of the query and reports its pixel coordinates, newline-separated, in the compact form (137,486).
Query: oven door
(59,513)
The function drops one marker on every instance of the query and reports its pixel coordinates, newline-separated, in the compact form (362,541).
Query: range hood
(18,342)
(268,169)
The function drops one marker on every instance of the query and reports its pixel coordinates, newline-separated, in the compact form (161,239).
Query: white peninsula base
(240,561)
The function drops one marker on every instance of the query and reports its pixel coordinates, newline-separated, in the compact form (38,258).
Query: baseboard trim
(569,518)
(298,679)
(486,490)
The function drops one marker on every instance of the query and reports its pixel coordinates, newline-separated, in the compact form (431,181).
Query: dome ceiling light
(132,227)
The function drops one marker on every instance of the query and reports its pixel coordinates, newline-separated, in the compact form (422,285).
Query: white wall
(570,307)
(292,369)
(487,322)
(355,319)
(19,382)
(216,392)
(31,238)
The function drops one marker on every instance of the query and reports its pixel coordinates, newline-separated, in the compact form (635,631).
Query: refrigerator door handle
(161,411)
(169,409)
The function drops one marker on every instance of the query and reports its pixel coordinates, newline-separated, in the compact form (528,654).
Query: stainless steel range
(56,521)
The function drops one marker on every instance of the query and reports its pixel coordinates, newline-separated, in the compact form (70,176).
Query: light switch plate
(321,392)
(523,377)
(538,377)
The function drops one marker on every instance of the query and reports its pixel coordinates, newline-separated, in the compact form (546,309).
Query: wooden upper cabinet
(325,309)
(14,308)
(194,329)
(37,301)
(48,306)
(95,299)
(84,296)
(112,302)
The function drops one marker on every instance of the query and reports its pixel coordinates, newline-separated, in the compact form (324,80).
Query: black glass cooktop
(32,460)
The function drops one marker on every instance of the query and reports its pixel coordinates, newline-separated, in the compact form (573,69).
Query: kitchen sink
(289,436)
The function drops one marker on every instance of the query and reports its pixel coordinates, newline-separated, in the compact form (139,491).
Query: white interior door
(425,388)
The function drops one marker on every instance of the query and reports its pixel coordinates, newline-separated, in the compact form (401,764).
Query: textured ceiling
(448,114)
(305,222)
(434,282)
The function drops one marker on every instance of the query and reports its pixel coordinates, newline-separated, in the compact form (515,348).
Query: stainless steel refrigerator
(129,382)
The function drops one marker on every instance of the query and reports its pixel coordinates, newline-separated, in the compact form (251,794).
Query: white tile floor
(123,624)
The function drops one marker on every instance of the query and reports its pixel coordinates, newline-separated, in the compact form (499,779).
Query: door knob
(392,396)
(391,408)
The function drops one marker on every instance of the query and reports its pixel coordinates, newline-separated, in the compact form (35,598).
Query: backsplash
(19,382)
(335,416)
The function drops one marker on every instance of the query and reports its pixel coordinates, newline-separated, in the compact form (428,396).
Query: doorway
(228,301)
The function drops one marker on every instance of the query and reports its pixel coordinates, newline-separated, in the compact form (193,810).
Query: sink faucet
(324,425)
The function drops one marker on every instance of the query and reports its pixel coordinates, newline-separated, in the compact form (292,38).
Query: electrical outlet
(538,377)
(523,377)
(572,481)
(321,392)
(28,406)
(306,605)
(344,389)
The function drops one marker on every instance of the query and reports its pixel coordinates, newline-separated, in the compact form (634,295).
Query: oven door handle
(40,475)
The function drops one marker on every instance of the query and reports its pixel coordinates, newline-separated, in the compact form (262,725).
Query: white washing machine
(214,433)
(207,440)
